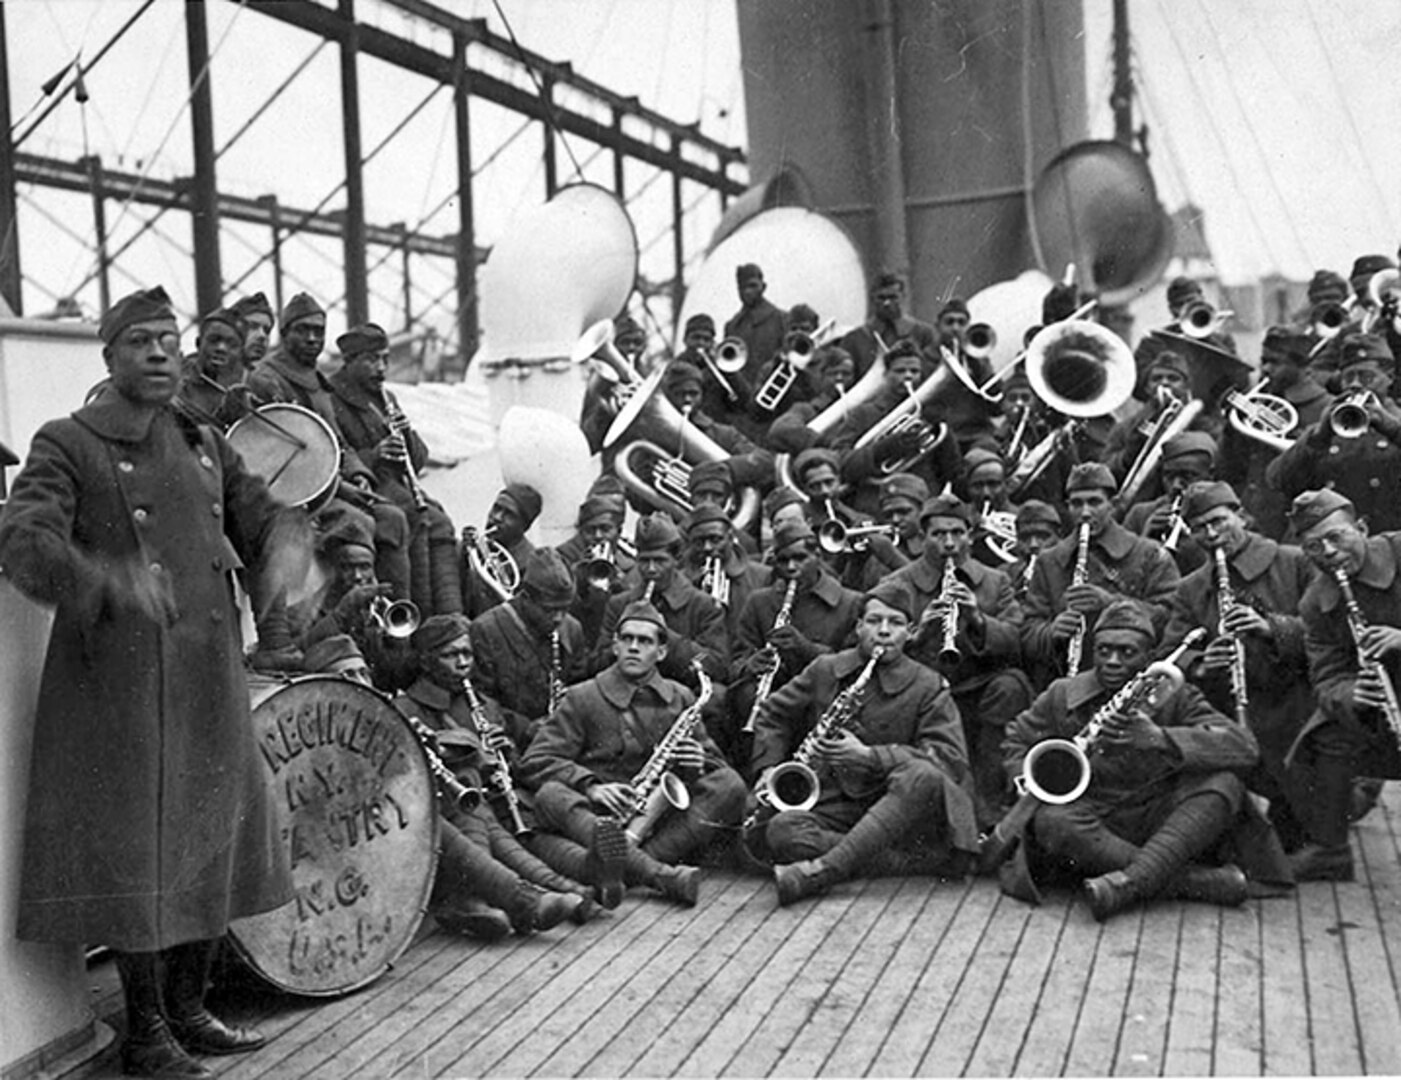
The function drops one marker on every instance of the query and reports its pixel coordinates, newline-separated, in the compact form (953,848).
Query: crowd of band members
(912,667)
(995,639)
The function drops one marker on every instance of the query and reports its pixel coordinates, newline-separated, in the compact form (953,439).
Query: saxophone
(1226,602)
(399,424)
(1357,623)
(1076,649)
(793,784)
(656,787)
(500,777)
(765,685)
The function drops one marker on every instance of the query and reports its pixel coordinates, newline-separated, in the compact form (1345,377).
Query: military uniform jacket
(147,821)
(1367,470)
(1328,638)
(363,425)
(278,379)
(861,342)
(1119,562)
(1200,740)
(761,328)
(1270,578)
(985,653)
(906,713)
(605,731)
(695,628)
(513,665)
(825,613)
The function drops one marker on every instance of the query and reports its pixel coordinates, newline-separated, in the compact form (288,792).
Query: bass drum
(291,448)
(357,810)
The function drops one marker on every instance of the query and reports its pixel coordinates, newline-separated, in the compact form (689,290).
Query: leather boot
(607,862)
(474,919)
(149,1048)
(1109,894)
(1327,856)
(796,881)
(680,883)
(199,1030)
(1225,886)
(1322,862)
(532,910)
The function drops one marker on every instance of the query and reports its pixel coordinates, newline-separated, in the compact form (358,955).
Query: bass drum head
(356,807)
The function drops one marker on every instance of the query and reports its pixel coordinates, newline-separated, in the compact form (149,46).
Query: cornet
(1350,417)
(396,619)
(835,537)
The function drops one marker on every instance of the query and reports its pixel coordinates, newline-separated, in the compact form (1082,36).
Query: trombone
(1200,319)
(798,350)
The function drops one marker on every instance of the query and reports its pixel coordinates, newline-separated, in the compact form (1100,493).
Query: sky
(1276,117)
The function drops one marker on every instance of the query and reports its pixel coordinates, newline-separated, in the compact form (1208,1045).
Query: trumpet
(1076,649)
(764,687)
(715,582)
(399,424)
(600,567)
(835,537)
(1264,417)
(492,562)
(1327,319)
(1200,319)
(798,351)
(395,618)
(1351,417)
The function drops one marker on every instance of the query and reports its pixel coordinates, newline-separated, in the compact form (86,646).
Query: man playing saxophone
(891,772)
(584,758)
(1163,789)
(1351,613)
(1260,595)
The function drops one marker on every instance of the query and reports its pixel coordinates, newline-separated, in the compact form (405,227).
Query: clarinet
(1357,623)
(399,424)
(949,652)
(1082,573)
(1226,601)
(464,797)
(501,774)
(556,667)
(765,685)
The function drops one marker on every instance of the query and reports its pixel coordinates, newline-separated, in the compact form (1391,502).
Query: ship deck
(887,977)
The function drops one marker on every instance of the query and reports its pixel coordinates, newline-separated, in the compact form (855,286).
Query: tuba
(596,343)
(1266,418)
(656,449)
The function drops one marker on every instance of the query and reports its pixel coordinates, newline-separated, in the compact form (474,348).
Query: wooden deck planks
(1046,1041)
(1191,1035)
(1239,1049)
(1094,1044)
(1147,1013)
(1374,948)
(1332,1021)
(1288,1045)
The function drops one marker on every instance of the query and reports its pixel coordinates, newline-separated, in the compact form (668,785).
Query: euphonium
(396,618)
(500,773)
(1076,649)
(1350,418)
(399,424)
(949,653)
(907,416)
(793,784)
(1357,625)
(1264,417)
(764,687)
(1225,604)
(492,562)
(656,787)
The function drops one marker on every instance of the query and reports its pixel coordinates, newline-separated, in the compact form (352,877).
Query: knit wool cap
(438,630)
(748,272)
(703,515)
(1189,442)
(300,307)
(711,476)
(699,322)
(343,529)
(524,498)
(1091,474)
(1311,507)
(892,593)
(978,458)
(681,373)
(792,532)
(1126,615)
(903,486)
(146,305)
(656,532)
(335,649)
(546,577)
(367,337)
(1036,512)
(1328,285)
(1207,495)
(947,506)
(598,507)
(816,455)
(1362,348)
(1286,344)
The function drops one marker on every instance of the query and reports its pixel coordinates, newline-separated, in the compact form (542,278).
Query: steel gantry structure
(546,92)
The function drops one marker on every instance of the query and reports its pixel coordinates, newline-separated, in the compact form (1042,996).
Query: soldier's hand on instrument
(1159,521)
(689,755)
(1367,692)
(843,748)
(1219,655)
(1133,730)
(497,739)
(392,448)
(961,594)
(1065,625)
(1378,640)
(761,661)
(354,607)
(1087,599)
(789,639)
(615,798)
(1244,619)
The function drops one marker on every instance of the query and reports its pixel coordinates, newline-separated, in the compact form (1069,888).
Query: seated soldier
(901,496)
(727,403)
(1354,644)
(971,635)
(831,374)
(512,513)
(1187,459)
(782,505)
(1168,381)
(985,481)
(599,560)
(862,558)
(530,648)
(888,761)
(696,628)
(1113,563)
(750,465)
(1038,528)
(818,617)
(374,425)
(487,883)
(717,564)
(800,319)
(1164,788)
(710,485)
(588,758)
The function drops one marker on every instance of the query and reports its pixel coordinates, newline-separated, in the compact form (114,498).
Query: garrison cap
(335,649)
(802,313)
(1091,474)
(1311,507)
(699,322)
(1126,615)
(949,506)
(780,497)
(546,578)
(1189,442)
(257,304)
(748,272)
(980,458)
(707,514)
(524,499)
(711,476)
(1207,495)
(656,532)
(599,506)
(1361,348)
(681,373)
(903,485)
(892,593)
(439,630)
(367,337)
(145,305)
(300,307)
(815,455)
(1328,285)
(1287,344)
(641,611)
(1180,290)
(1366,266)
(793,532)
(229,317)
(1036,512)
